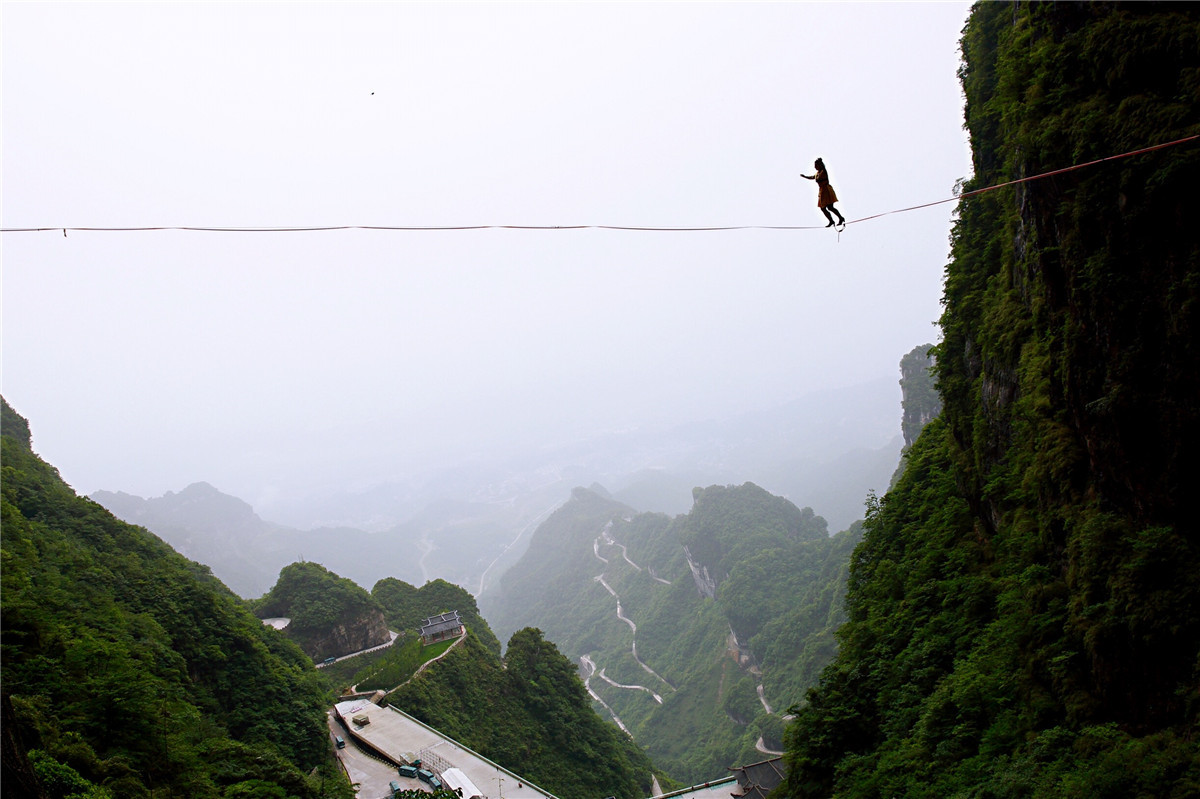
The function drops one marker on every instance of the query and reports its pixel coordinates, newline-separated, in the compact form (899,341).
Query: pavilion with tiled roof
(440,627)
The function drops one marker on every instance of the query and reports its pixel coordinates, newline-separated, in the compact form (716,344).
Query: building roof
(441,623)
(757,780)
(460,783)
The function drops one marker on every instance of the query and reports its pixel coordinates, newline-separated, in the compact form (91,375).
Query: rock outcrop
(331,616)
(356,632)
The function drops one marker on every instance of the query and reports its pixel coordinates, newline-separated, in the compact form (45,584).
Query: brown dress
(825,193)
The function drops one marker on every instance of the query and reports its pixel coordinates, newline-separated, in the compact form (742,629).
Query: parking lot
(398,737)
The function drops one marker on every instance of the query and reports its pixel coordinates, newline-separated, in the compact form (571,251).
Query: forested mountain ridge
(243,549)
(329,615)
(679,624)
(1024,614)
(131,670)
(406,606)
(527,711)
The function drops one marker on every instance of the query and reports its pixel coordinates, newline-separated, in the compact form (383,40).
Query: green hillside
(330,615)
(530,713)
(1024,611)
(131,671)
(406,607)
(744,591)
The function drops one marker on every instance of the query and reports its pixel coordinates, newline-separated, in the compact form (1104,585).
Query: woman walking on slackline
(825,194)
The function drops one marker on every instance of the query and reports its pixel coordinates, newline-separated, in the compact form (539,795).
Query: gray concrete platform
(399,737)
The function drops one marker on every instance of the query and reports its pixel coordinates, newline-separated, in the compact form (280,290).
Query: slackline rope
(972,193)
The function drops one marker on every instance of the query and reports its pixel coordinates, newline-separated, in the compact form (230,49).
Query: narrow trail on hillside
(605,539)
(541,517)
(746,662)
(431,661)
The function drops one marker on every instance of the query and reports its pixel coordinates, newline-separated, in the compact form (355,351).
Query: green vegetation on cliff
(406,607)
(743,591)
(778,581)
(330,615)
(133,672)
(1024,614)
(921,401)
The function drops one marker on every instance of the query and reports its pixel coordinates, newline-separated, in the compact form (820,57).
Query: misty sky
(146,361)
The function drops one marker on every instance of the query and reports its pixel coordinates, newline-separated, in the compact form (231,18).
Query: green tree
(530,713)
(131,669)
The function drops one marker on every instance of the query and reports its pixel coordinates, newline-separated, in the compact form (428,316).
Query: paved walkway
(394,635)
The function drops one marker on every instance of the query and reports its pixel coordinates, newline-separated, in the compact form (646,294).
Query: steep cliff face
(687,628)
(705,584)
(1024,613)
(920,401)
(330,615)
(1070,351)
(354,632)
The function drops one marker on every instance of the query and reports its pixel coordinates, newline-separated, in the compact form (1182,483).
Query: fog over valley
(354,377)
(468,523)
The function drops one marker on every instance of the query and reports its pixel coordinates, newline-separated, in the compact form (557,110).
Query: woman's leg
(825,210)
(841,219)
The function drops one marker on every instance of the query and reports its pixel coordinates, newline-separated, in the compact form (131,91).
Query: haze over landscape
(303,371)
(404,396)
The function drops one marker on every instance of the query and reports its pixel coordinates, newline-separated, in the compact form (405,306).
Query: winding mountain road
(763,698)
(587,684)
(616,684)
(462,637)
(605,539)
(761,746)
(633,644)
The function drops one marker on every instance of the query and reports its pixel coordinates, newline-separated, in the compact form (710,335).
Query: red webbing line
(1031,177)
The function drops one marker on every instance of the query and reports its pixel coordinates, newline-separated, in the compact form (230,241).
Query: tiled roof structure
(437,626)
(756,780)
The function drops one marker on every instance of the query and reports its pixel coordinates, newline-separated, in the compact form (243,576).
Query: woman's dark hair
(819,164)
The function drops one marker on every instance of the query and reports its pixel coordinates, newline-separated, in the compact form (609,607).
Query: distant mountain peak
(200,488)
